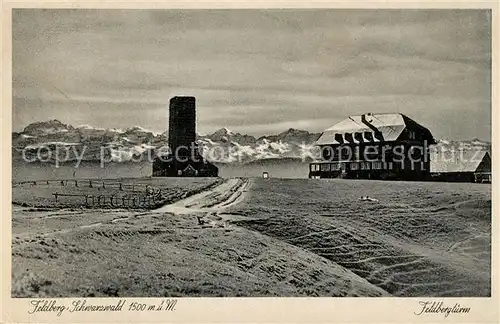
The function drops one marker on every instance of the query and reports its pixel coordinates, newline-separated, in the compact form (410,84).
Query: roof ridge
(384,113)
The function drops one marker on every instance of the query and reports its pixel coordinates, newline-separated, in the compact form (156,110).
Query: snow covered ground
(265,237)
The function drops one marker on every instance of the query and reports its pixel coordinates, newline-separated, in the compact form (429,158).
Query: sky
(253,71)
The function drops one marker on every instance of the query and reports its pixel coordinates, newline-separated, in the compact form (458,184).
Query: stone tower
(184,159)
(182,125)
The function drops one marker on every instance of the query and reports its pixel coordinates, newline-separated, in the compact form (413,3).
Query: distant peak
(117,130)
(138,129)
(89,127)
(293,131)
(49,126)
(135,128)
(223,131)
(48,122)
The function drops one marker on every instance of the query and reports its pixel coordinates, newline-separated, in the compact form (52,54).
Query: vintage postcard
(216,162)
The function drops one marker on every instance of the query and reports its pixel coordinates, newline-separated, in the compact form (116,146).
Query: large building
(374,146)
(184,158)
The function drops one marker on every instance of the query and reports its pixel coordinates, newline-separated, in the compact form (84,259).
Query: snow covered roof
(389,127)
(459,161)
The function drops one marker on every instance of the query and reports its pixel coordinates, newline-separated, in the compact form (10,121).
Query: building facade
(374,146)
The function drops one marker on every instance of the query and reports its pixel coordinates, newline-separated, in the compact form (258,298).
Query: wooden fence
(91,183)
(127,201)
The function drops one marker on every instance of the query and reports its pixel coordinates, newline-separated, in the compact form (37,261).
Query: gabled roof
(459,161)
(189,168)
(389,125)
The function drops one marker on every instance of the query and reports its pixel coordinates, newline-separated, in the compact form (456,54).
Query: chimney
(378,134)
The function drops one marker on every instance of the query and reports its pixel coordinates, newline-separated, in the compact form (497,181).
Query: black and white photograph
(171,153)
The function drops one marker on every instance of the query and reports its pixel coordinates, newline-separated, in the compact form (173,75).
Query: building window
(354,166)
(335,166)
(365,165)
(390,166)
(325,167)
(377,165)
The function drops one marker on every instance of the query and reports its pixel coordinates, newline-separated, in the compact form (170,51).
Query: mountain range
(223,146)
